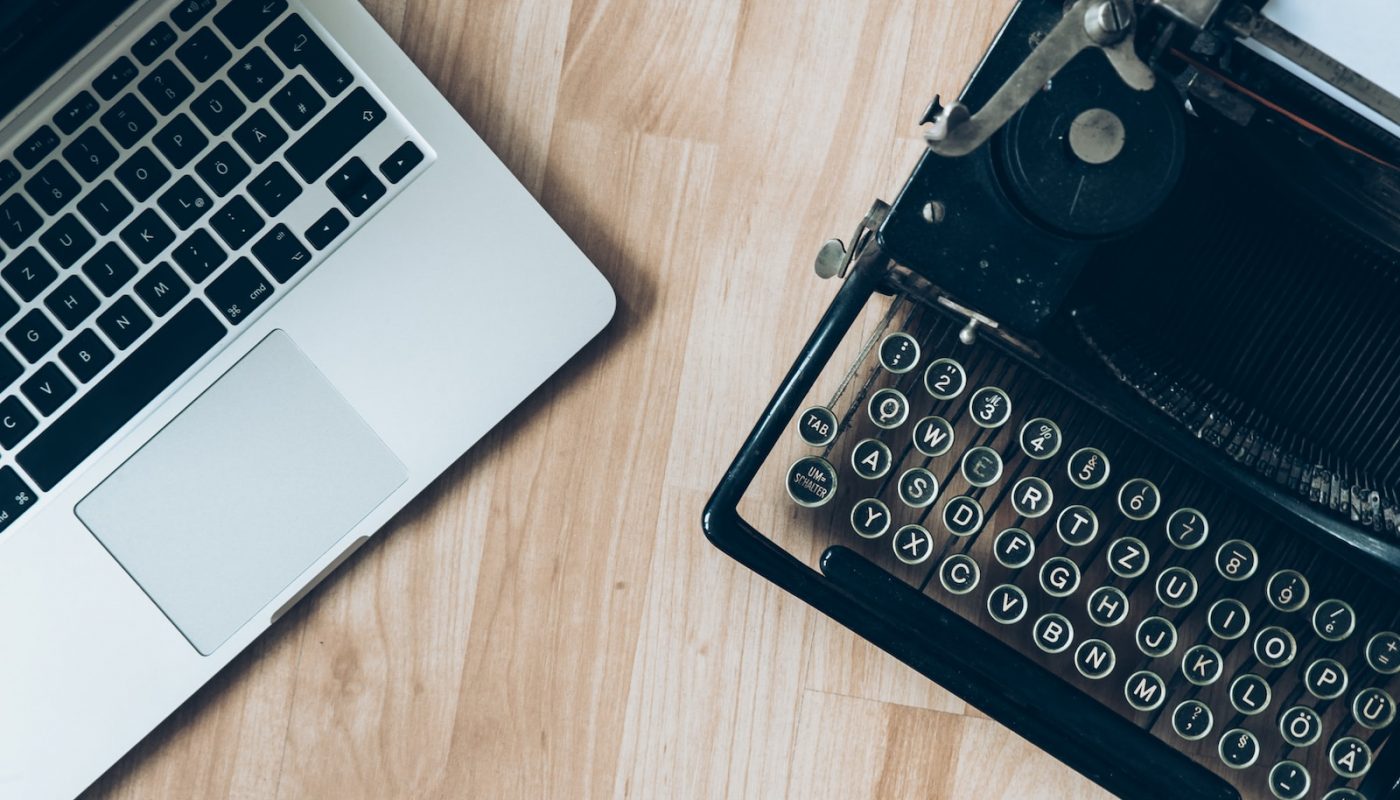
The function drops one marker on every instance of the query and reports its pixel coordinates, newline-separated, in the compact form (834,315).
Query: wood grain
(547,620)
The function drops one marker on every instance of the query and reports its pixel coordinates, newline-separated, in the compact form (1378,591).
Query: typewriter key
(1288,780)
(1187,528)
(1333,620)
(1373,708)
(959,574)
(1094,659)
(1139,499)
(962,516)
(933,436)
(1228,618)
(1145,690)
(1013,548)
(871,459)
(1300,726)
(870,518)
(1344,794)
(1176,587)
(1059,576)
(1201,665)
(1156,637)
(990,407)
(1350,757)
(1288,591)
(899,353)
(1053,633)
(1383,653)
(1040,439)
(912,544)
(1006,604)
(1128,557)
(1088,468)
(1236,560)
(1326,679)
(888,408)
(1032,497)
(1192,720)
(1275,647)
(1077,525)
(918,488)
(811,482)
(1250,694)
(945,379)
(1108,606)
(981,466)
(1239,749)
(817,426)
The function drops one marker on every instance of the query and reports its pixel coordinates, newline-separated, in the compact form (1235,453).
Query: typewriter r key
(1053,633)
(1059,576)
(870,518)
(1094,659)
(871,459)
(1202,665)
(1032,497)
(1176,587)
(1288,780)
(899,353)
(945,379)
(1383,653)
(1228,618)
(1192,720)
(1108,606)
(888,408)
(1288,591)
(1325,679)
(1077,525)
(918,488)
(1006,604)
(1236,560)
(1250,694)
(912,544)
(1040,439)
(959,574)
(1088,468)
(1128,557)
(1146,691)
(1275,647)
(962,516)
(1187,528)
(1014,548)
(1333,620)
(811,482)
(1156,637)
(1373,708)
(981,466)
(933,436)
(1239,749)
(817,426)
(1139,499)
(1300,726)
(1350,757)
(990,407)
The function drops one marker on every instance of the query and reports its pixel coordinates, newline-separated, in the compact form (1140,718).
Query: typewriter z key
(1128,557)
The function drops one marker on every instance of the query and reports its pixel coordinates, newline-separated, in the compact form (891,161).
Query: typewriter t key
(945,379)
(817,426)
(1014,548)
(870,518)
(1006,604)
(1187,528)
(1139,499)
(1373,708)
(888,408)
(1325,679)
(1236,560)
(1288,591)
(899,353)
(1383,653)
(1156,637)
(1192,720)
(1300,726)
(1088,468)
(1350,757)
(811,482)
(1288,780)
(1333,620)
(871,459)
(1094,659)
(1239,749)
(1040,439)
(1032,497)
(1128,557)
(1108,606)
(1275,647)
(912,544)
(990,407)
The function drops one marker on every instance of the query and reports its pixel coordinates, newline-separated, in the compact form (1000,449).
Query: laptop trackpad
(241,492)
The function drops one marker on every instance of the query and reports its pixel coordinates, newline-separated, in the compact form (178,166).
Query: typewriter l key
(933,436)
(1250,694)
(1156,637)
(1236,560)
(1326,679)
(1350,757)
(1108,606)
(870,518)
(1059,576)
(1239,749)
(811,482)
(1333,620)
(912,544)
(1288,591)
(959,574)
(899,353)
(1006,604)
(1228,618)
(1088,468)
(990,407)
(1040,439)
(1288,780)
(918,488)
(1139,499)
(1202,665)
(1094,658)
(1013,548)
(817,426)
(1373,708)
(1300,726)
(1053,633)
(1275,647)
(1077,525)
(1128,557)
(981,466)
(1192,720)
(1145,690)
(1383,653)
(871,459)
(888,408)
(962,516)
(1032,497)
(1176,587)
(945,379)
(1187,528)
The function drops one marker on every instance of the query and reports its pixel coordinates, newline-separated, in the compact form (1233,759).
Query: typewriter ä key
(1383,653)
(1201,664)
(1088,468)
(1006,604)
(1107,606)
(870,518)
(899,353)
(1014,548)
(1192,720)
(1094,658)
(990,407)
(817,426)
(1128,557)
(1077,525)
(1250,694)
(1059,577)
(1288,590)
(1228,619)
(1373,708)
(1239,749)
(1053,633)
(1139,499)
(1040,439)
(1187,528)
(1032,497)
(1300,726)
(1326,679)
(871,459)
(1350,757)
(945,379)
(933,436)
(1156,637)
(1289,780)
(1334,620)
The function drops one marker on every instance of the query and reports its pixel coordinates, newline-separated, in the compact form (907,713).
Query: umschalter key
(330,139)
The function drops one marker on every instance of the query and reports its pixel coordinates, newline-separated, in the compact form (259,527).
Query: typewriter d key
(1139,499)
(899,353)
(933,436)
(1383,653)
(1094,658)
(1053,633)
(990,407)
(1288,591)
(1192,720)
(1236,560)
(1176,587)
(817,426)
(962,516)
(1373,708)
(1006,604)
(1013,548)
(1187,528)
(1059,576)
(811,482)
(1228,618)
(1288,780)
(1156,637)
(1275,647)
(1145,690)
(945,379)
(1202,665)
(1077,525)
(1326,679)
(871,459)
(1239,749)
(1032,497)
(918,488)
(1108,606)
(1333,620)
(1350,757)
(888,408)
(912,544)
(870,518)
(1040,439)
(981,466)
(1250,694)
(959,574)
(1128,557)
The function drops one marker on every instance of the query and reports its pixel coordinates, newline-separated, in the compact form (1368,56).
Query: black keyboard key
(48,389)
(242,20)
(294,42)
(52,187)
(355,186)
(147,236)
(297,102)
(109,269)
(329,140)
(29,273)
(239,290)
(75,112)
(165,88)
(180,141)
(223,169)
(86,355)
(128,120)
(39,144)
(9,175)
(217,107)
(401,162)
(281,254)
(190,12)
(34,335)
(199,255)
(156,41)
(324,230)
(260,136)
(124,322)
(236,222)
(114,78)
(160,289)
(115,399)
(203,54)
(254,74)
(90,154)
(142,174)
(104,207)
(15,497)
(15,422)
(274,189)
(185,202)
(10,368)
(67,240)
(18,220)
(72,302)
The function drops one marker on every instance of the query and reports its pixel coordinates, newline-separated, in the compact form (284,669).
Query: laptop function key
(297,45)
(242,20)
(9,175)
(190,12)
(114,78)
(38,144)
(401,162)
(15,497)
(75,112)
(324,230)
(156,41)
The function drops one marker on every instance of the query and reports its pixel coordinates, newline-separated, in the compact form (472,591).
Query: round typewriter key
(945,379)
(1006,604)
(1156,637)
(1288,591)
(1077,525)
(1239,749)
(1059,576)
(1333,620)
(1201,665)
(1108,606)
(899,353)
(912,544)
(1236,560)
(1344,794)
(1275,647)
(933,436)
(888,408)
(1350,757)
(1176,587)
(1192,720)
(817,426)
(1228,619)
(870,518)
(1250,694)
(1053,633)
(1032,497)
(1326,679)
(1300,726)
(871,459)
(959,574)
(990,407)
(1373,708)
(1088,468)
(1139,499)
(1128,557)
(1014,548)
(1094,659)
(981,466)
(1187,528)
(1040,439)
(962,516)
(918,488)
(1145,690)
(1288,780)
(811,482)
(1383,653)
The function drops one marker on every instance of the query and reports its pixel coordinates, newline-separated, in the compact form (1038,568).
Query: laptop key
(29,273)
(67,240)
(165,88)
(281,254)
(104,207)
(203,54)
(142,174)
(15,422)
(331,139)
(156,41)
(114,78)
(75,112)
(239,290)
(242,20)
(147,236)
(9,175)
(86,355)
(90,154)
(110,269)
(10,368)
(128,120)
(296,45)
(236,222)
(124,322)
(111,402)
(254,74)
(48,389)
(34,335)
(185,202)
(223,169)
(39,144)
(355,186)
(52,187)
(217,107)
(15,497)
(18,220)
(401,162)
(260,136)
(324,230)
(180,141)
(72,302)
(161,289)
(190,12)
(274,189)
(199,255)
(297,102)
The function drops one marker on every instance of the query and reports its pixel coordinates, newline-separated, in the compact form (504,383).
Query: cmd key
(326,142)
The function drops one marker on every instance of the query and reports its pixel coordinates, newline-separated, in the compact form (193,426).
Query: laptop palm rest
(242,492)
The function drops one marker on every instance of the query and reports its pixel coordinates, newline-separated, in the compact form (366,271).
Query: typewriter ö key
(1300,726)
(899,353)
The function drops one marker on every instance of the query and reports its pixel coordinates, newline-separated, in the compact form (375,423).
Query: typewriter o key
(870,518)
(1040,439)
(871,459)
(1014,548)
(1006,604)
(817,426)
(990,407)
(1239,749)
(1275,647)
(888,408)
(945,379)
(1032,497)
(1288,780)
(1300,726)
(1288,591)
(1088,468)
(933,436)
(912,544)
(811,482)
(1350,757)
(1187,528)
(1192,720)
(899,353)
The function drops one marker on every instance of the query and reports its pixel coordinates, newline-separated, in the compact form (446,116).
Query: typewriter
(1101,430)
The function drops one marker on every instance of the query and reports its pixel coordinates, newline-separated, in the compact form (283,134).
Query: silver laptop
(260,284)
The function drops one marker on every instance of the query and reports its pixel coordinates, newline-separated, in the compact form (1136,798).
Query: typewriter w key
(1102,429)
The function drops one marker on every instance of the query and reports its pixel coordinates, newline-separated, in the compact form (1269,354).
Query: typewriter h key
(899,353)
(1108,606)
(1192,720)
(817,426)
(1288,780)
(1006,604)
(870,518)
(1014,548)
(1088,468)
(945,379)
(933,436)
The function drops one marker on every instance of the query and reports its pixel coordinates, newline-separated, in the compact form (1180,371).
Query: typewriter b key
(1053,633)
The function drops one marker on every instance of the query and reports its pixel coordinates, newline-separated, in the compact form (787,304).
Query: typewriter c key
(1202,665)
(888,408)
(959,574)
(1383,652)
(990,407)
(1300,726)
(1059,576)
(1006,604)
(1275,647)
(1350,757)
(1239,749)
(1053,633)
(1187,528)
(1013,548)
(1032,497)
(1077,525)
(1236,560)
(1145,690)
(1107,606)
(1088,468)
(1287,590)
(1040,439)
(1192,720)
(933,436)
(962,516)
(871,459)
(1139,499)
(870,518)
(1094,658)
(945,379)
(981,466)
(1176,587)
(912,544)
(1326,679)
(1288,780)
(1156,637)
(1128,557)
(817,426)
(1250,694)
(899,353)
(1333,620)
(918,488)
(1373,708)
(1228,618)
(811,482)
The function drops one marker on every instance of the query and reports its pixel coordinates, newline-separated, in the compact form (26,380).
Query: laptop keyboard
(175,195)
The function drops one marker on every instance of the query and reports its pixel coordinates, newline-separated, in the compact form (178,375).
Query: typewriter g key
(817,426)
(1088,468)
(870,518)
(1300,726)
(1333,620)
(1006,604)
(1239,749)
(1288,591)
(1059,576)
(1350,757)
(945,379)
(1192,720)
(990,407)
(899,353)
(811,482)
(1288,780)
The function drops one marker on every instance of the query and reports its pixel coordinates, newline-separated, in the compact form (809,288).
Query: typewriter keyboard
(1010,501)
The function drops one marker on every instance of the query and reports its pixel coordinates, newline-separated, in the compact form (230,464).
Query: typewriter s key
(1053,633)
(1108,606)
(1326,679)
(871,459)
(1176,587)
(981,466)
(962,516)
(1088,468)
(1094,658)
(1287,590)
(817,426)
(1275,647)
(1250,694)
(811,482)
(1128,557)
(1350,757)
(1202,665)
(1300,726)
(888,408)
(1373,708)
(1013,548)
(1333,620)
(912,544)
(1156,637)
(1040,439)
(1139,499)
(1187,528)
(933,436)
(1236,560)
(1059,576)
(1146,691)
(1006,604)
(1239,749)
(1288,780)
(959,574)
(870,518)
(1192,720)
(990,407)
(918,488)
(1077,525)
(1228,618)
(1032,497)
(1383,653)
(899,353)
(945,379)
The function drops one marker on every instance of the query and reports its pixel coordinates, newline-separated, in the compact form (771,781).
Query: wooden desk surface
(548,620)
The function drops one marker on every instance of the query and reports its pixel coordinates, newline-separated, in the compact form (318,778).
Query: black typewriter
(1102,428)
